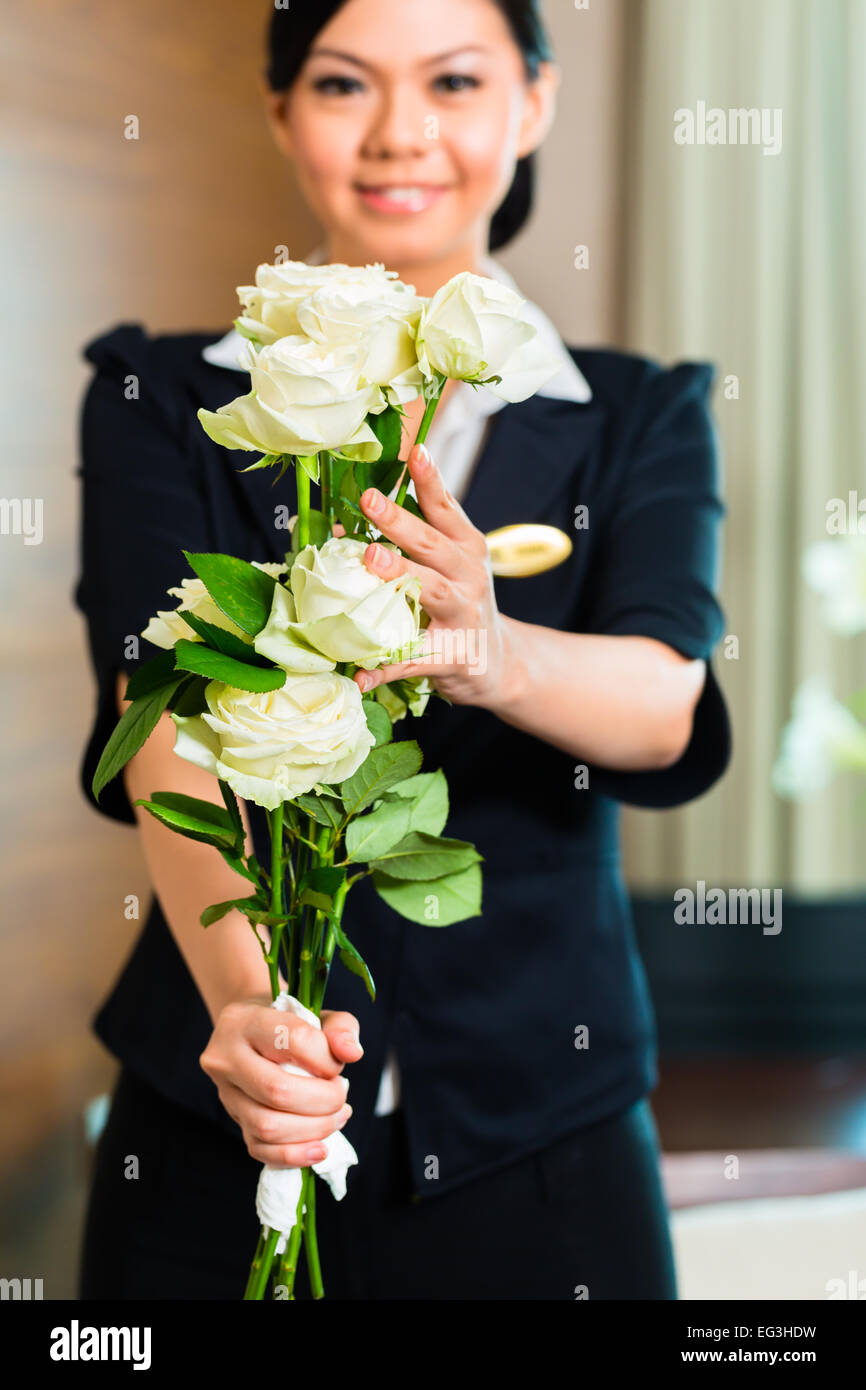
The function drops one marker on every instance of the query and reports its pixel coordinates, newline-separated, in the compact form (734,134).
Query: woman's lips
(401,198)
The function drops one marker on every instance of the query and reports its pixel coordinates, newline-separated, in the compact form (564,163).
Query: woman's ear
(276,110)
(539,108)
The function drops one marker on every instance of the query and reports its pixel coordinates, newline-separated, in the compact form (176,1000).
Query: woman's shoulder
(166,374)
(629,383)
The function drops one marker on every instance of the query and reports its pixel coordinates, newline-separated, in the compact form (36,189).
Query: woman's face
(405,123)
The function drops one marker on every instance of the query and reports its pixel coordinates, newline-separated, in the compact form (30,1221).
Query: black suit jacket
(484,1015)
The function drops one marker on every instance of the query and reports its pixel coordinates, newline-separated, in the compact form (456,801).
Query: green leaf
(194,656)
(412,506)
(428,794)
(325,879)
(320,900)
(423,856)
(439,903)
(230,802)
(241,591)
(324,809)
(135,725)
(218,910)
(221,640)
(388,428)
(370,836)
(378,720)
(382,767)
(189,696)
(353,960)
(236,862)
(198,809)
(154,673)
(191,826)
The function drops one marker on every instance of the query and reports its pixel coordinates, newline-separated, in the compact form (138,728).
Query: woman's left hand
(467,651)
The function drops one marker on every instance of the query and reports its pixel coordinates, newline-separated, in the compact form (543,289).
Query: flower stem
(302,479)
(288,1263)
(426,420)
(311,1243)
(277,902)
(325,484)
(261,1269)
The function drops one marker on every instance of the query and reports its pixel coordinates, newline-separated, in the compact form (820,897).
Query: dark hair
(292,30)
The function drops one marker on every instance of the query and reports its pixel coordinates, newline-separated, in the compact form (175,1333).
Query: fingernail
(422,455)
(374,501)
(315,1152)
(345,1081)
(363,683)
(351,1039)
(378,555)
(345,1113)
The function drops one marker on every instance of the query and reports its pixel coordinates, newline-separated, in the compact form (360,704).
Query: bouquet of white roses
(256,661)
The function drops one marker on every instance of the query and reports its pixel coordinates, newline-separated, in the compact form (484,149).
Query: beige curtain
(756,261)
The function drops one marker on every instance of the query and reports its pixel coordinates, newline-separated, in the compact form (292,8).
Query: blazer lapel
(531,451)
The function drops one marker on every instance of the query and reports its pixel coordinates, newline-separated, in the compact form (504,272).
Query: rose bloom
(473,329)
(168,626)
(334,605)
(305,396)
(379,315)
(275,745)
(270,306)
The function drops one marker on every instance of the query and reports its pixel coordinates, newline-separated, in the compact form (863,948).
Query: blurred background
(742,254)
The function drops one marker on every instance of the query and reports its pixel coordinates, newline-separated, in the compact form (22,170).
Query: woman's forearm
(225,960)
(625,703)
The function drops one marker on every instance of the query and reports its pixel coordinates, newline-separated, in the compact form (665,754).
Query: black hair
(291,31)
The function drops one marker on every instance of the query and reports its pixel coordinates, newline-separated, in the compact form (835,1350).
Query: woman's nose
(398,126)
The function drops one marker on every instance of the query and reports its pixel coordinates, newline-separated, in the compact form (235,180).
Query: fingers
(444,540)
(282,1037)
(438,595)
(343,1035)
(273,1136)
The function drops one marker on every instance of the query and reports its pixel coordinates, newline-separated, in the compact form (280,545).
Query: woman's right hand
(283,1117)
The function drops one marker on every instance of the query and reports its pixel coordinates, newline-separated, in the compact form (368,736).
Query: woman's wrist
(506,695)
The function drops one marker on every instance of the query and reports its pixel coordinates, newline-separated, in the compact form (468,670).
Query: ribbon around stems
(279,1189)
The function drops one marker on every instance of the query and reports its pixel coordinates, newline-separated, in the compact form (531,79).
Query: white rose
(473,328)
(305,397)
(378,314)
(270,306)
(168,626)
(336,606)
(276,745)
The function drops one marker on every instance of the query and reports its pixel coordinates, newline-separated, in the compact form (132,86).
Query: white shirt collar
(569,383)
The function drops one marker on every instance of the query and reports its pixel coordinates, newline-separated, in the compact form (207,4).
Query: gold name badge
(527,548)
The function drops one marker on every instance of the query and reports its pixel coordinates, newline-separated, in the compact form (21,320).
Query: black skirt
(171,1216)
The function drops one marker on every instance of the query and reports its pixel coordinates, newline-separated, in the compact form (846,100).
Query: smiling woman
(506,1065)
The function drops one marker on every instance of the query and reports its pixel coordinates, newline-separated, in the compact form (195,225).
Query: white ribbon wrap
(279,1189)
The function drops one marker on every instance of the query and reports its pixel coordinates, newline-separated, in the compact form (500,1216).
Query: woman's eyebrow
(426,62)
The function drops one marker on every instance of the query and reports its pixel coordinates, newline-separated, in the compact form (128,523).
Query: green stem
(311,1243)
(261,1269)
(426,420)
(277,901)
(325,483)
(303,523)
(288,1263)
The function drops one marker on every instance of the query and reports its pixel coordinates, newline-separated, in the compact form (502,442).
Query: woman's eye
(337,85)
(455,82)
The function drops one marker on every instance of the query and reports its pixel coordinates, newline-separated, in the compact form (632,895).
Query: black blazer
(482,1015)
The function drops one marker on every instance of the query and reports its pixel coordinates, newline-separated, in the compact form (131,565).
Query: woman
(499,1084)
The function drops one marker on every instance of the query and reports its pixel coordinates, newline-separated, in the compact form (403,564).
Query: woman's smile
(401,198)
